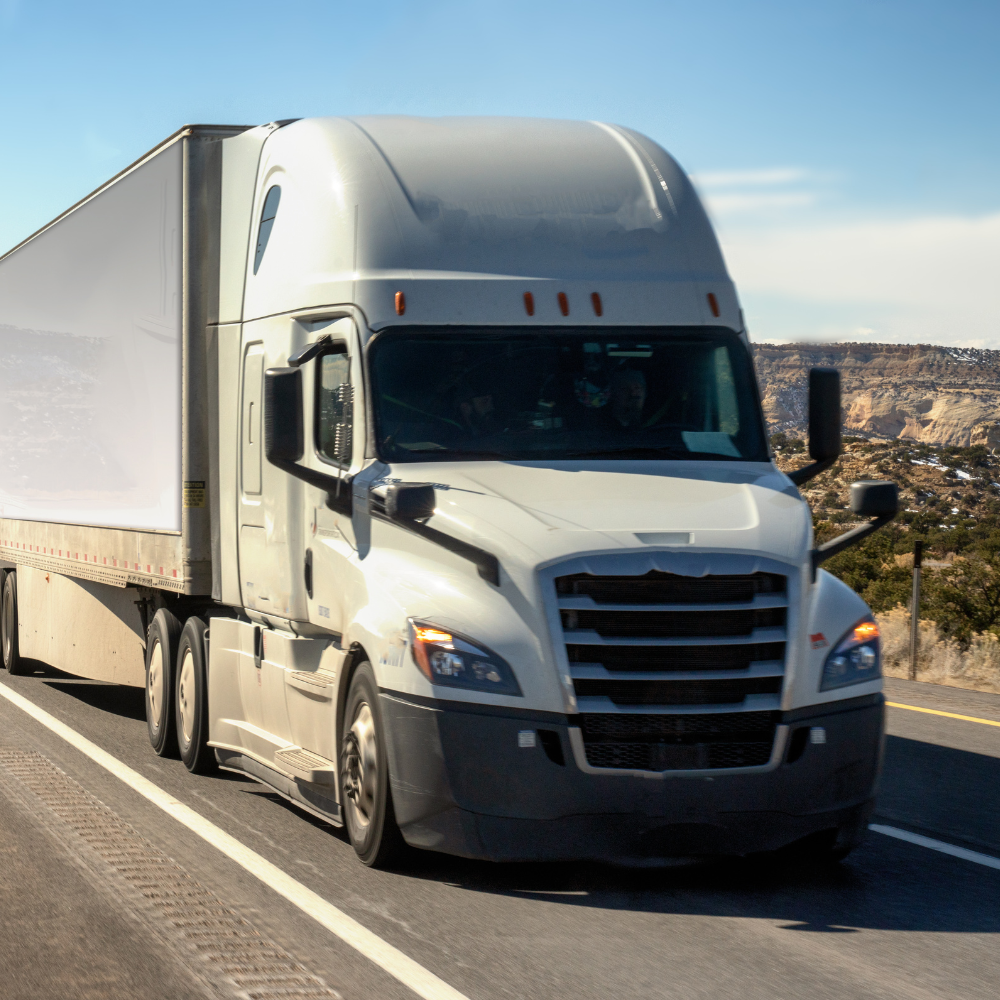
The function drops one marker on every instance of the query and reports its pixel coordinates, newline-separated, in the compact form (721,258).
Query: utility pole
(918,552)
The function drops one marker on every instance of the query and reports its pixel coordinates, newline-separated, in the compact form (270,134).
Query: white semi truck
(417,469)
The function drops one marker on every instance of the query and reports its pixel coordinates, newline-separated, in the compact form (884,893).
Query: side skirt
(299,793)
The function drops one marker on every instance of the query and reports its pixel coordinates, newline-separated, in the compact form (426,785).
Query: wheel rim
(8,617)
(154,684)
(361,770)
(186,697)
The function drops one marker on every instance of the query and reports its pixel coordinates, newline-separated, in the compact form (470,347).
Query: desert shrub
(964,598)
(940,659)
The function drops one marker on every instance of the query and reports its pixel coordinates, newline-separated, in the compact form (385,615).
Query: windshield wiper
(630,453)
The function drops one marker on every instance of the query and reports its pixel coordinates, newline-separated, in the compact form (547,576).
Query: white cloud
(732,204)
(927,279)
(804,275)
(772,192)
(749,178)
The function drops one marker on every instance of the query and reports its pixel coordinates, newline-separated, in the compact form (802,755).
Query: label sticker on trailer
(818,640)
(194,494)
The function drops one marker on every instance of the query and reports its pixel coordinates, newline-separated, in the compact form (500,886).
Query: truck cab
(504,566)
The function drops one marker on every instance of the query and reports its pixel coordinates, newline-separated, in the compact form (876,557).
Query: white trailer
(416,468)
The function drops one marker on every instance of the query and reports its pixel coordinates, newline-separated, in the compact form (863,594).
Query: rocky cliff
(938,395)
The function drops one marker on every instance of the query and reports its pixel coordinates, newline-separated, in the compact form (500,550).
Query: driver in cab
(628,398)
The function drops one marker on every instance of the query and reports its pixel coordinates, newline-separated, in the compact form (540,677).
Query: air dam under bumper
(462,784)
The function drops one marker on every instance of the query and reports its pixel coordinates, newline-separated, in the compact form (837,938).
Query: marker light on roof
(400,303)
(563,303)
(713,303)
(529,303)
(595,298)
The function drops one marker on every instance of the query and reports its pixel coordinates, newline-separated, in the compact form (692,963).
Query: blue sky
(848,152)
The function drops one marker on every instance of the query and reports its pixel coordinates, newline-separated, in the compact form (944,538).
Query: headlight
(455,661)
(856,658)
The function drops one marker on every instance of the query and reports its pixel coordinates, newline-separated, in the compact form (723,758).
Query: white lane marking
(423,982)
(937,845)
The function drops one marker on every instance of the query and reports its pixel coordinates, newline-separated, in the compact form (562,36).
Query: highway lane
(895,920)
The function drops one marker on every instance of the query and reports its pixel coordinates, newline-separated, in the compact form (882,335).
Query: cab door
(270,531)
(337,437)
(251,526)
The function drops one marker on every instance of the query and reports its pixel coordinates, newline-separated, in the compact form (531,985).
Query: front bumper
(462,784)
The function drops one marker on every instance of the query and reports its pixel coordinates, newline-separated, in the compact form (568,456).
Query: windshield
(512,394)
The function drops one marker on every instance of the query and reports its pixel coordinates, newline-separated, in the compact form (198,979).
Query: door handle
(258,645)
(308,571)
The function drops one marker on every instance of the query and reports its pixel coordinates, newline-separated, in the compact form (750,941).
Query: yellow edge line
(947,715)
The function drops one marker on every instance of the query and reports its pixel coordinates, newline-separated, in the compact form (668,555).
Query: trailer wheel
(191,699)
(161,653)
(364,775)
(8,626)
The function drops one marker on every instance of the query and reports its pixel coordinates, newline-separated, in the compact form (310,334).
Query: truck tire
(191,699)
(12,661)
(161,654)
(364,775)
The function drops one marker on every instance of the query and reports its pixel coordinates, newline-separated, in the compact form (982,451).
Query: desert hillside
(936,395)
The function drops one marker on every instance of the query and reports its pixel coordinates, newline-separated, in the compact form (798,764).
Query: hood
(542,511)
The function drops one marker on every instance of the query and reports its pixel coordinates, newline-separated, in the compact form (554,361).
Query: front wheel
(191,699)
(364,775)
(12,661)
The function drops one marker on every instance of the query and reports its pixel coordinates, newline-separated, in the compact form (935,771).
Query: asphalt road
(894,920)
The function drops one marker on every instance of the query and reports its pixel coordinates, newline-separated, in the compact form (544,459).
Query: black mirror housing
(824,424)
(410,501)
(824,414)
(871,498)
(285,441)
(284,434)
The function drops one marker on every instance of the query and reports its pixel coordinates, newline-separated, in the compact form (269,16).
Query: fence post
(918,551)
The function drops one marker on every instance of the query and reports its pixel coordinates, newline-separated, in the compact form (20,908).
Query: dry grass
(940,660)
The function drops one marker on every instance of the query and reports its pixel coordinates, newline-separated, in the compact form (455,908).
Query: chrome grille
(674,692)
(615,624)
(682,658)
(670,588)
(646,652)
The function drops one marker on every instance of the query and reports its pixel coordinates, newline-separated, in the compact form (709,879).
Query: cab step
(314,682)
(306,765)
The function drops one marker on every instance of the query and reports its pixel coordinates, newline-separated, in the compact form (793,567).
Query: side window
(270,210)
(334,407)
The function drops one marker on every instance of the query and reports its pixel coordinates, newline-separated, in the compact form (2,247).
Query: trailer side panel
(90,378)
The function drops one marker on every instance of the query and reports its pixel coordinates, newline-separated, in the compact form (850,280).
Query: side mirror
(869,498)
(285,439)
(284,435)
(824,423)
(824,414)
(409,501)
(874,499)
